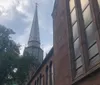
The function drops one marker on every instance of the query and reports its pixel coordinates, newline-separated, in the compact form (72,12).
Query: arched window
(38,81)
(51,74)
(98,3)
(47,76)
(35,82)
(42,80)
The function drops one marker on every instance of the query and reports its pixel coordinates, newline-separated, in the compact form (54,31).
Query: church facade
(75,56)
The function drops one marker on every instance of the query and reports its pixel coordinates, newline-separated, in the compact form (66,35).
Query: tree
(25,63)
(9,51)
(14,69)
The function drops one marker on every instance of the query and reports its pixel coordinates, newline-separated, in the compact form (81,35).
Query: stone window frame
(95,11)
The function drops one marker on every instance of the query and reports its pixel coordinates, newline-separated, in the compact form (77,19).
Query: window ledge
(87,74)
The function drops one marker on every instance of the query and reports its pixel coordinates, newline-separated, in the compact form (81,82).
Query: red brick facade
(63,55)
(61,59)
(42,69)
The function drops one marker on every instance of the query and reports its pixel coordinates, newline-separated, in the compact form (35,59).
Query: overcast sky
(18,15)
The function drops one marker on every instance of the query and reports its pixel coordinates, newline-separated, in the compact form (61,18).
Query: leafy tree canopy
(14,69)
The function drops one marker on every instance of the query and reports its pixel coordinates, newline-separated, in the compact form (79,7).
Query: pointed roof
(34,34)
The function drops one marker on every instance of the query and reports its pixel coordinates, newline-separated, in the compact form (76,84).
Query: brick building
(75,57)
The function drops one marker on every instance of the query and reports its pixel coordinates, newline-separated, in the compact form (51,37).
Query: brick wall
(62,64)
(42,71)
(61,58)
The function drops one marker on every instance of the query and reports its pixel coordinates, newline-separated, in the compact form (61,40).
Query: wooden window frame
(95,11)
(72,46)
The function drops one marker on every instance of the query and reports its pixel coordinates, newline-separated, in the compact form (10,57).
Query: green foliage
(14,69)
(9,50)
(25,63)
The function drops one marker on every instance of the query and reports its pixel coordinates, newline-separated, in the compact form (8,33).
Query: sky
(18,15)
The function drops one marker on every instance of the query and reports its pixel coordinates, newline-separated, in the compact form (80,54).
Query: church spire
(33,47)
(34,39)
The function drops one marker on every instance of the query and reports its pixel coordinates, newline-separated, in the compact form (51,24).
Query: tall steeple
(33,47)
(34,39)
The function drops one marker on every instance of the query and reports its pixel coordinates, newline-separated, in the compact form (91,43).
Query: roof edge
(48,56)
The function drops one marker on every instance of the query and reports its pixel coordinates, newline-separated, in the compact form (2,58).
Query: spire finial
(36,4)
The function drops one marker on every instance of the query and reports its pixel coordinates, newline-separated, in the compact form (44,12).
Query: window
(75,32)
(77,48)
(78,63)
(47,76)
(79,71)
(51,74)
(35,82)
(98,3)
(93,51)
(73,16)
(38,81)
(91,36)
(87,16)
(90,33)
(82,11)
(84,3)
(94,55)
(72,5)
(42,80)
(52,71)
(76,41)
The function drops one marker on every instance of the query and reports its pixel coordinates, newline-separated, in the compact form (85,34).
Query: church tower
(33,47)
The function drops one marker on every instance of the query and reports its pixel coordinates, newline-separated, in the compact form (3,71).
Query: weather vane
(35,2)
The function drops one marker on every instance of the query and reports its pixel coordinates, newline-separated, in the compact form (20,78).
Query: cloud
(6,4)
(23,39)
(46,48)
(18,15)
